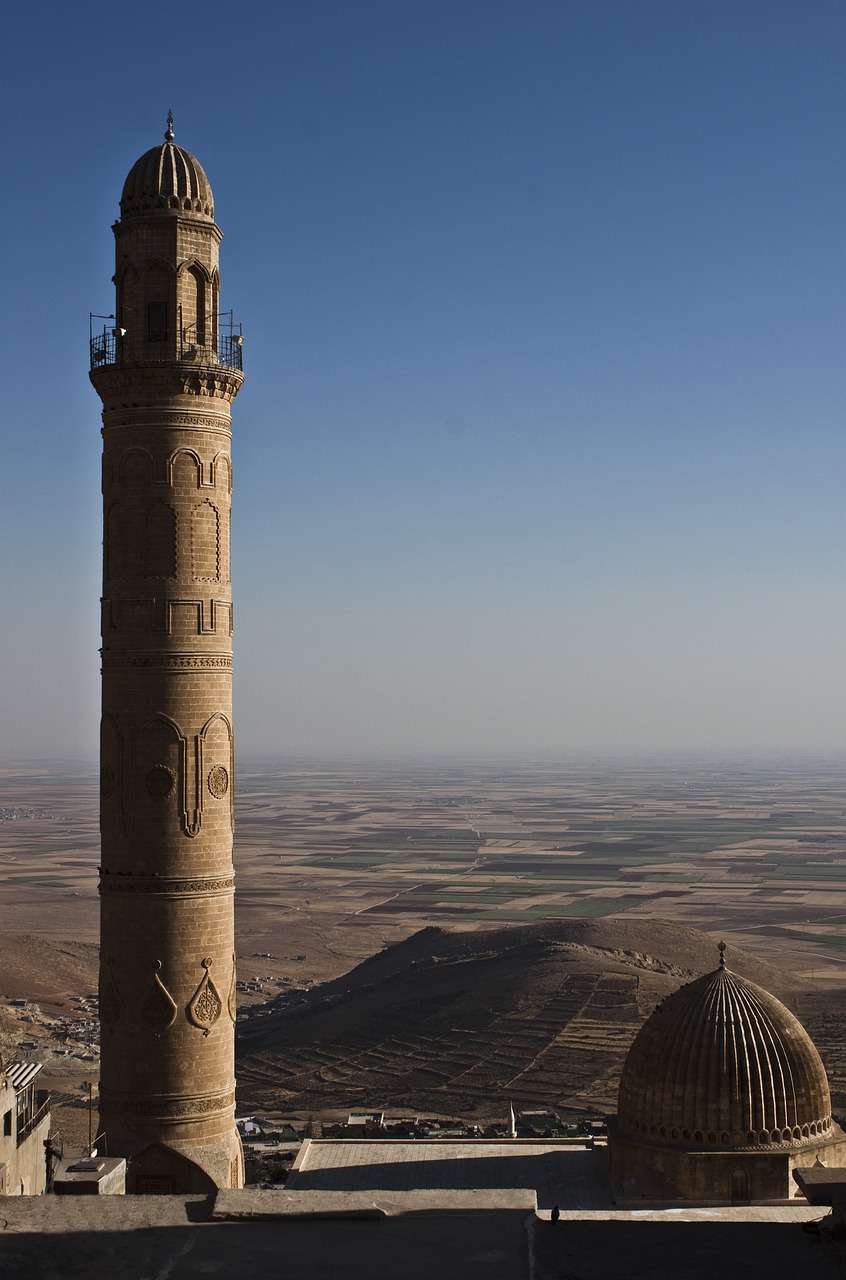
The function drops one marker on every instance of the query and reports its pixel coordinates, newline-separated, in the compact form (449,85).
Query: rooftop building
(25,1112)
(722,1096)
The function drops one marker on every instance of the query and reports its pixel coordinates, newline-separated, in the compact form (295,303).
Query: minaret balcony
(111,346)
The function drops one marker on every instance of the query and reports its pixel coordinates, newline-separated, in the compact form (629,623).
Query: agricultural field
(336,861)
(756,853)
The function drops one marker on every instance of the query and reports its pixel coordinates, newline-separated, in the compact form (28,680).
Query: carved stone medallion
(107,782)
(205,1006)
(159,782)
(218,781)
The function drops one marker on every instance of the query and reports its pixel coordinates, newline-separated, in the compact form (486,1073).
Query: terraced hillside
(464,1023)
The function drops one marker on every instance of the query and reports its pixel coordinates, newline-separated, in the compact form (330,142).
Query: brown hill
(463,1023)
(47,970)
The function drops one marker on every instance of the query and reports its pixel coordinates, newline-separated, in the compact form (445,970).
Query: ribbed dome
(722,1062)
(167,178)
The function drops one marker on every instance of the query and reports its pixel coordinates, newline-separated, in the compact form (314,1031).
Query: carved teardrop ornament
(205,1006)
(233,991)
(158,1009)
(111,1003)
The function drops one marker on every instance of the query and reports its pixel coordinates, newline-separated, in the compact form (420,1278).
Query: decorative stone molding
(160,418)
(232,1001)
(208,615)
(205,542)
(218,781)
(113,382)
(176,1108)
(205,1006)
(158,1010)
(157,885)
(111,1004)
(159,782)
(167,662)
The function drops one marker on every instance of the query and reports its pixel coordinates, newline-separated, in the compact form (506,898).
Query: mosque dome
(722,1063)
(167,179)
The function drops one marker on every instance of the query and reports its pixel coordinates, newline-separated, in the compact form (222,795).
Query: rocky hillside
(463,1023)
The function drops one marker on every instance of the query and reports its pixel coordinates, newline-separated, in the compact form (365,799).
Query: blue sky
(541,447)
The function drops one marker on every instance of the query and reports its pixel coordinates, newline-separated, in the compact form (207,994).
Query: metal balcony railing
(113,346)
(34,1121)
(230,349)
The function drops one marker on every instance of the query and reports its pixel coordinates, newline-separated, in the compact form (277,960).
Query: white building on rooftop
(25,1113)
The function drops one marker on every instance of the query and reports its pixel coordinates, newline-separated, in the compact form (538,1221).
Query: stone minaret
(167,375)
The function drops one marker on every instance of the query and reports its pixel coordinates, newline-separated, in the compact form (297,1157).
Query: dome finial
(169,132)
(722,949)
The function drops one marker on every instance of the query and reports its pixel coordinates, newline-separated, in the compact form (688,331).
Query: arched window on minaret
(127,303)
(215,291)
(205,542)
(158,297)
(197,304)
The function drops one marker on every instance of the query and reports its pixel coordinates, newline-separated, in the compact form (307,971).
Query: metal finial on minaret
(169,133)
(722,950)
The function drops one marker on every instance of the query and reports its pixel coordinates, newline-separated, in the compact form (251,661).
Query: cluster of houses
(380,1125)
(75,1035)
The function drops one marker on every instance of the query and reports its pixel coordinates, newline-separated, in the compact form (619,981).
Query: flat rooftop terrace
(455,1235)
(570,1175)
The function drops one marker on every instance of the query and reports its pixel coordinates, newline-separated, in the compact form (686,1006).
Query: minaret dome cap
(167,179)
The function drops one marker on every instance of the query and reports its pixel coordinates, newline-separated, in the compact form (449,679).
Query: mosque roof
(722,1061)
(167,179)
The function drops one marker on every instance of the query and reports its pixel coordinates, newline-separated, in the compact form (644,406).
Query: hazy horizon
(735,762)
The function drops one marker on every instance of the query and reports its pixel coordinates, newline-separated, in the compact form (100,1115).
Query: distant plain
(335,860)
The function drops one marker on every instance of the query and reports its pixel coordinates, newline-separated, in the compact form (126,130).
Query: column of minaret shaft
(167,984)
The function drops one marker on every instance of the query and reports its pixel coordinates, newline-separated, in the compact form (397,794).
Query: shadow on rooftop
(682,1250)
(572,1179)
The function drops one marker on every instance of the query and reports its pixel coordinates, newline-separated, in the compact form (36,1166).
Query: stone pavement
(572,1175)
(169,1238)
(451,1234)
(232,1206)
(744,1245)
